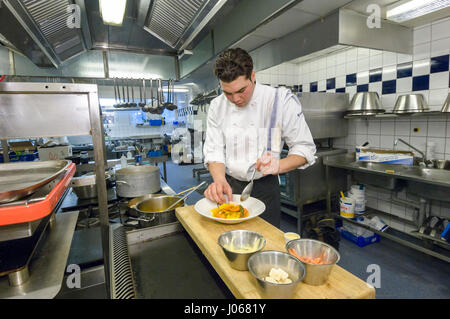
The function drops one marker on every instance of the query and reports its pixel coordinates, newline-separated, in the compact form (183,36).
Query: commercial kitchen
(104,114)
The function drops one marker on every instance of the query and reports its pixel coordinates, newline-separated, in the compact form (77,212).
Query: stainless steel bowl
(260,265)
(86,186)
(446,106)
(410,103)
(315,274)
(239,245)
(365,103)
(441,164)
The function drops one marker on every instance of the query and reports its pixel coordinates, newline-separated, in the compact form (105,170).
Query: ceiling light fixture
(411,9)
(113,11)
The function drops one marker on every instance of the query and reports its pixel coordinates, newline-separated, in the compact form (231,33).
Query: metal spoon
(248,189)
(141,103)
(185,196)
(117,104)
(132,104)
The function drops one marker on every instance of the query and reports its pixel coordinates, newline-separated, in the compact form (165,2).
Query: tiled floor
(404,272)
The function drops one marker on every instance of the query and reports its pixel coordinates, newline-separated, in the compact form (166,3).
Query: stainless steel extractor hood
(177,22)
(40,30)
(338,30)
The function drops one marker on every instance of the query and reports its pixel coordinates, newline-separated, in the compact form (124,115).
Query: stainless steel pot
(136,181)
(86,187)
(151,210)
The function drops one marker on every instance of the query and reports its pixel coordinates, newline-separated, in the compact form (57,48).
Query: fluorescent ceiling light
(411,9)
(113,11)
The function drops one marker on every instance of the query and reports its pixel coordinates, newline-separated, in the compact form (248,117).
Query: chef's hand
(268,165)
(215,192)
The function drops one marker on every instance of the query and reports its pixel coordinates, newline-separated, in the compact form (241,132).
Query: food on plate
(278,276)
(230,211)
(306,259)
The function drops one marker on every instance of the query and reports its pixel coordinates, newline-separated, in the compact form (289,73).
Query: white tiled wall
(430,40)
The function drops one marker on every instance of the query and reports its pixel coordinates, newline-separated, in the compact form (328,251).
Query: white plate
(255,208)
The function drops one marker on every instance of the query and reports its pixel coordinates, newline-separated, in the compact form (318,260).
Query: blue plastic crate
(155,122)
(359,240)
(155,153)
(22,157)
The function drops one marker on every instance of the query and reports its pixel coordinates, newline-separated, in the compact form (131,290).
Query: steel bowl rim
(241,231)
(300,278)
(164,196)
(153,195)
(317,241)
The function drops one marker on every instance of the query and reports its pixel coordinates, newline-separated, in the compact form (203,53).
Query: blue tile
(421,82)
(350,79)
(404,70)
(300,88)
(331,83)
(389,87)
(340,90)
(375,75)
(313,87)
(362,88)
(439,64)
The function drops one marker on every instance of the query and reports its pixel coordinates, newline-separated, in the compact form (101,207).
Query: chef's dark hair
(233,63)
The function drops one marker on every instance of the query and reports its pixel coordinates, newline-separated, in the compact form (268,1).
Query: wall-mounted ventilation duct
(40,30)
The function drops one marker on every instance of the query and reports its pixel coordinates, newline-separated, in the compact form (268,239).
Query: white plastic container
(357,192)
(123,161)
(290,236)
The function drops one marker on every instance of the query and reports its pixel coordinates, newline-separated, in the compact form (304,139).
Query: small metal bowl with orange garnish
(317,256)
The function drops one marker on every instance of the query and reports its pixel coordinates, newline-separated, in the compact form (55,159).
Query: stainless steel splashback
(324,113)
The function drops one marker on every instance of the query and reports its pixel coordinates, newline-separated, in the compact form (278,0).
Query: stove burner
(88,223)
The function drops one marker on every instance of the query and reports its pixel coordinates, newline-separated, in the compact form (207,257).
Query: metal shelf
(394,115)
(114,109)
(398,239)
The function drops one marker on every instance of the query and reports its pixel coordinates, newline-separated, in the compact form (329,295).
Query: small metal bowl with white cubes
(277,273)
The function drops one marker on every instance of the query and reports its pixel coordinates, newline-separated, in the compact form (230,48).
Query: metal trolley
(33,110)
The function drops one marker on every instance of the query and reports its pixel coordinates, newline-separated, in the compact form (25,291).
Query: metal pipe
(424,158)
(5,148)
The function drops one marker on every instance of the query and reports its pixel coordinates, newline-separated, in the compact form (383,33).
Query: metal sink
(432,174)
(382,179)
(437,182)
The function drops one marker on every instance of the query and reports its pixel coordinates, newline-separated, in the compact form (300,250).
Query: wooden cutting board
(205,232)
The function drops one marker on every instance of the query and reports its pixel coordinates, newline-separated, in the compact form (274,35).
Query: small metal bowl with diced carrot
(317,256)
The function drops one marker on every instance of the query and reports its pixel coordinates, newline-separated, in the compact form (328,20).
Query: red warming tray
(30,212)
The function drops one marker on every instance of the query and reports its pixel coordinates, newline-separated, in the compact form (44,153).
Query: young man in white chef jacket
(247,124)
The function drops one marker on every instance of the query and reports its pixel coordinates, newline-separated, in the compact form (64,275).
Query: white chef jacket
(237,136)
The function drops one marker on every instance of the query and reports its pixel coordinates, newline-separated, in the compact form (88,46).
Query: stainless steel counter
(48,265)
(433,176)
(425,182)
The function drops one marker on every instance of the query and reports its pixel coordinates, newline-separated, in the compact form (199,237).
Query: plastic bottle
(123,161)
(129,155)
